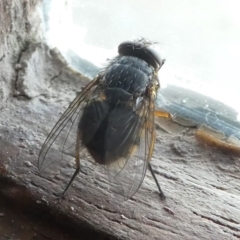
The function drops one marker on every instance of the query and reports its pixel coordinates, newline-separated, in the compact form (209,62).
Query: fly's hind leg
(77,159)
(153,136)
(156,181)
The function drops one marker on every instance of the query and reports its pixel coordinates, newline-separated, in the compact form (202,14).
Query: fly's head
(142,49)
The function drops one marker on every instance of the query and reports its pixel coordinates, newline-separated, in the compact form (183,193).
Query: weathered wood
(201,183)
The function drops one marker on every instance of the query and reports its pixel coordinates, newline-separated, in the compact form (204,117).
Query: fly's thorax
(130,74)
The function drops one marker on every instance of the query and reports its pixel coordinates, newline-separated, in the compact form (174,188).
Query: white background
(199,38)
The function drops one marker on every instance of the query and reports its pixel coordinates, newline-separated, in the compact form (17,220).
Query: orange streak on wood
(215,142)
(162,114)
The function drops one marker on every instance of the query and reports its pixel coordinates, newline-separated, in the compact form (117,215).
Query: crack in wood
(18,62)
(160,225)
(227,219)
(54,77)
(3,56)
(217,221)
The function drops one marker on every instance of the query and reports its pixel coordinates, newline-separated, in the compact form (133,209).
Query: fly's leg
(156,181)
(77,159)
(153,136)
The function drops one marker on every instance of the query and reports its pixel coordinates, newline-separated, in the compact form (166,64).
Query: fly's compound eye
(142,51)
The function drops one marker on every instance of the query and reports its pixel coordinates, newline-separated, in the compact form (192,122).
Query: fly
(113,118)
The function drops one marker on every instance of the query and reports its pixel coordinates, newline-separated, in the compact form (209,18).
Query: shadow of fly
(113,118)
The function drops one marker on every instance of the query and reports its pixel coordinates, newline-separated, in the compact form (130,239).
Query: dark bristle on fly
(141,50)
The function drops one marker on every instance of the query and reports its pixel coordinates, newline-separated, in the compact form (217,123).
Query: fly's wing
(129,146)
(62,138)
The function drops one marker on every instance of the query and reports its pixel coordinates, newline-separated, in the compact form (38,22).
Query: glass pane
(200,40)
